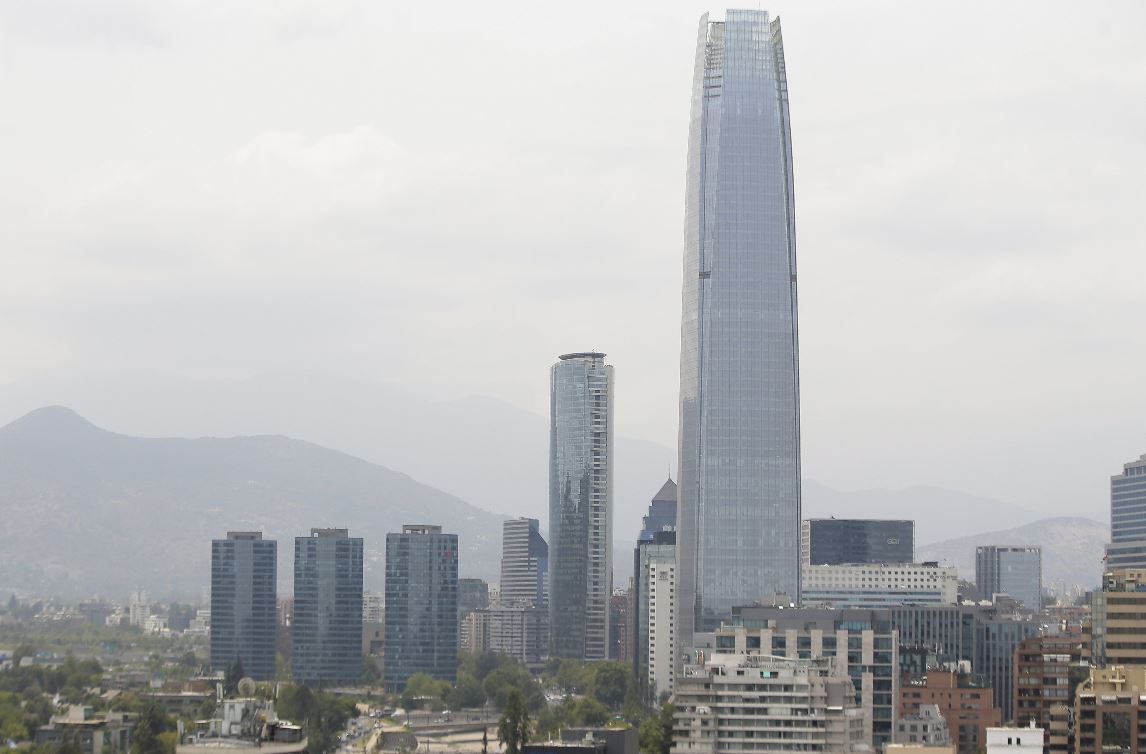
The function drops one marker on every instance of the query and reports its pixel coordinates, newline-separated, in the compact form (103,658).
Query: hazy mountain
(1072,549)
(939,514)
(84,510)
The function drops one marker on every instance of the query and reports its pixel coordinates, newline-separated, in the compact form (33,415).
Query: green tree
(610,684)
(656,732)
(484,740)
(467,692)
(513,728)
(422,688)
(231,677)
(147,736)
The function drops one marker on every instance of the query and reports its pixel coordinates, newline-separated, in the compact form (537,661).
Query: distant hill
(86,511)
(939,514)
(1072,549)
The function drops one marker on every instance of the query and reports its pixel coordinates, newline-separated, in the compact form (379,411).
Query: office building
(580,506)
(738,528)
(326,625)
(1014,571)
(421,605)
(745,702)
(1127,548)
(1048,669)
(656,543)
(965,701)
(1110,711)
(244,600)
(879,585)
(838,541)
(1112,634)
(520,631)
(861,642)
(524,563)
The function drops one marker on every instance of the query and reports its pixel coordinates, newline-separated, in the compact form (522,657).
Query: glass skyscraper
(524,563)
(1014,571)
(244,575)
(580,506)
(326,627)
(738,529)
(1127,548)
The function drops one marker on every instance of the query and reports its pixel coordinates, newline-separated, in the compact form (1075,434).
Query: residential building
(620,646)
(109,734)
(524,563)
(863,643)
(326,626)
(1110,711)
(244,597)
(660,609)
(580,506)
(871,585)
(473,632)
(926,727)
(965,701)
(1014,571)
(1117,621)
(738,527)
(138,608)
(1127,548)
(756,703)
(839,541)
(655,544)
(421,605)
(520,631)
(473,594)
(373,607)
(919,749)
(1048,669)
(1027,740)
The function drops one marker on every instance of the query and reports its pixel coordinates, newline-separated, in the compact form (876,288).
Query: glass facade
(244,575)
(421,605)
(524,563)
(1127,548)
(839,541)
(739,507)
(327,624)
(1014,571)
(580,506)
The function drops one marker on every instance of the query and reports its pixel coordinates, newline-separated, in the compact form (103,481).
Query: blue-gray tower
(738,527)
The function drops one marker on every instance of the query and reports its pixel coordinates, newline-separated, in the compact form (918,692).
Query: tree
(467,692)
(513,728)
(656,732)
(484,740)
(231,677)
(611,683)
(146,737)
(423,687)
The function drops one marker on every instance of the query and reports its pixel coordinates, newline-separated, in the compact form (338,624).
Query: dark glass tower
(1127,548)
(580,506)
(327,623)
(1015,571)
(738,529)
(244,575)
(421,605)
(840,541)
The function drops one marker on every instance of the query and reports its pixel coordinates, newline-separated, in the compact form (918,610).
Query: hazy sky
(447,195)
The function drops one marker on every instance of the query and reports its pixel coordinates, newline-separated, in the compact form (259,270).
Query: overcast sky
(447,195)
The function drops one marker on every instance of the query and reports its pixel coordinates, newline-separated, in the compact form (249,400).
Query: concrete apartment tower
(738,529)
(580,506)
(244,582)
(421,605)
(327,624)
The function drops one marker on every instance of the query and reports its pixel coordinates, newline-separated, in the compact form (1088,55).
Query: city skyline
(939,283)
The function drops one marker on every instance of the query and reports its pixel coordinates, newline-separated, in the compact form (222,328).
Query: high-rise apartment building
(1048,669)
(1015,571)
(580,505)
(1127,548)
(1112,633)
(841,541)
(656,545)
(421,605)
(738,529)
(524,563)
(660,611)
(326,627)
(244,602)
(756,703)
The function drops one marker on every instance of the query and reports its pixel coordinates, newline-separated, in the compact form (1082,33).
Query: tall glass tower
(244,577)
(738,529)
(1127,548)
(580,506)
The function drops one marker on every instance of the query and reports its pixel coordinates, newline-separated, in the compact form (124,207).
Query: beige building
(1110,711)
(1117,622)
(661,611)
(742,704)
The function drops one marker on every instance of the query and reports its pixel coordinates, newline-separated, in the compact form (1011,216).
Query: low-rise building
(1110,711)
(873,585)
(1027,740)
(926,727)
(964,700)
(110,734)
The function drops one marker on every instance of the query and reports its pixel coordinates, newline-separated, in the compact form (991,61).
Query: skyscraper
(1015,571)
(524,563)
(244,575)
(580,505)
(327,624)
(421,605)
(738,529)
(655,559)
(1127,548)
(843,541)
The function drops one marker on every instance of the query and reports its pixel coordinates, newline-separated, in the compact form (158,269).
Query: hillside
(1072,549)
(85,511)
